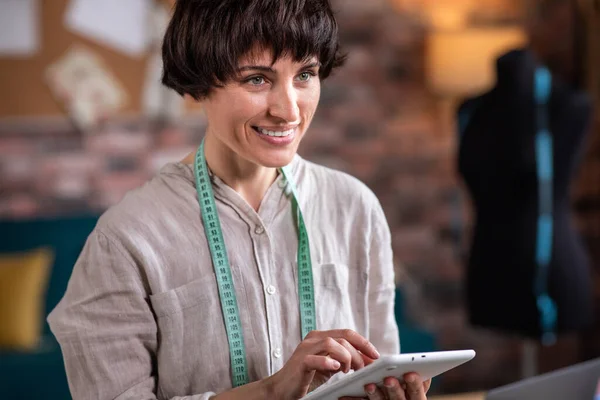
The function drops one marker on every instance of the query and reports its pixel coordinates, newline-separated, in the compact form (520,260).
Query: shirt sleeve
(383,330)
(106,328)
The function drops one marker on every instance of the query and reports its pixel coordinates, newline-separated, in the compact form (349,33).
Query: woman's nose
(283,104)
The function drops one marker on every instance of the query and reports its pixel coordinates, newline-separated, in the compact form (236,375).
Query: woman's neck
(249,180)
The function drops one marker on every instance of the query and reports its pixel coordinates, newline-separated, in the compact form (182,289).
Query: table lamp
(462,62)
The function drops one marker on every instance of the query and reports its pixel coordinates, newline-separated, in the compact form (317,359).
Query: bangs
(300,29)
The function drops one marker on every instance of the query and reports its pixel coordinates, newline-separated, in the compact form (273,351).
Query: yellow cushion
(23,284)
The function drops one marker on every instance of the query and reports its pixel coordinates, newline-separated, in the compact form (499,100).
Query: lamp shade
(462,62)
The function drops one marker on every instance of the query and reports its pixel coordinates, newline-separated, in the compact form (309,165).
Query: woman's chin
(276,160)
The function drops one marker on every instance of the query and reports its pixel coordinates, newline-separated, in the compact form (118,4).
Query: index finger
(359,342)
(414,387)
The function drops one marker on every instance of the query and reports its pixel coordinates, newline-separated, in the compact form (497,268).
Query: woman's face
(263,113)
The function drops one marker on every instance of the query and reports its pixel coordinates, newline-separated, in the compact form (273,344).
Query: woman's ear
(192,105)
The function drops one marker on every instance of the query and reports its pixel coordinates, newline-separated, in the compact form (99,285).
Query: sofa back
(65,235)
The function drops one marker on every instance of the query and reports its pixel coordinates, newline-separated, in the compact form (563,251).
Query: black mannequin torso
(497,161)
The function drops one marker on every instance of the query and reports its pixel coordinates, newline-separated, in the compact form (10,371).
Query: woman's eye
(256,80)
(305,76)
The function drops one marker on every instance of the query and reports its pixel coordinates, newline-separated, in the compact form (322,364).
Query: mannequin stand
(529,359)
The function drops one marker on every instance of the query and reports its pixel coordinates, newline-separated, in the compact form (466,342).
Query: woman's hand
(317,358)
(413,389)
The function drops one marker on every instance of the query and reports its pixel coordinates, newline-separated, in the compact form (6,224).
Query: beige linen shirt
(141,318)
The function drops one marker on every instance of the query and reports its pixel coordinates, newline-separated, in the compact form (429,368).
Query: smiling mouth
(274,133)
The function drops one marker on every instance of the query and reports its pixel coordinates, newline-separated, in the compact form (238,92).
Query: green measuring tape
(222,268)
(306,292)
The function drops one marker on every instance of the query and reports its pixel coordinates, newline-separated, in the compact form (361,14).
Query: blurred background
(83,119)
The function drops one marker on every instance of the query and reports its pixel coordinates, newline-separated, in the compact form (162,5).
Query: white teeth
(277,134)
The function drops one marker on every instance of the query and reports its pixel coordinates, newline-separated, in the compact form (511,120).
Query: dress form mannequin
(497,159)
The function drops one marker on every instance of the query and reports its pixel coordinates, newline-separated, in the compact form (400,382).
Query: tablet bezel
(428,365)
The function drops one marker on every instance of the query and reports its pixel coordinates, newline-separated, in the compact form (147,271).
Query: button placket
(262,246)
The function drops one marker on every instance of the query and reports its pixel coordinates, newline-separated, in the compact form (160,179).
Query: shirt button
(277,353)
(259,230)
(271,289)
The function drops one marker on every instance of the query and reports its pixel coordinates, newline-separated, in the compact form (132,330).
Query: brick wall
(48,168)
(376,121)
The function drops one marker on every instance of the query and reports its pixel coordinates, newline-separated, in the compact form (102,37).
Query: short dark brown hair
(206,39)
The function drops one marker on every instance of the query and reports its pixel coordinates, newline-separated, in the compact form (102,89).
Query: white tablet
(427,365)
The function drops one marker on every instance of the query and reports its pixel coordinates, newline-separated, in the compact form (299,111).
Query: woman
(242,266)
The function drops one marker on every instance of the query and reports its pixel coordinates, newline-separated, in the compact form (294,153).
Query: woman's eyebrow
(265,68)
(311,65)
(256,67)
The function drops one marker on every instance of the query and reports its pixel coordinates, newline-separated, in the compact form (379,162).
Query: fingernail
(336,364)
(410,379)
(370,389)
(389,384)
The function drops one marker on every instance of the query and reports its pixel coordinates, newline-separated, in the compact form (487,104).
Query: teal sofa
(40,374)
(412,338)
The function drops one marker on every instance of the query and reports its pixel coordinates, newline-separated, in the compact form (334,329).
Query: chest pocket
(332,296)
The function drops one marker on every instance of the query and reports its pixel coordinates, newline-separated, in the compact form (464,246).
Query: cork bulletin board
(23,92)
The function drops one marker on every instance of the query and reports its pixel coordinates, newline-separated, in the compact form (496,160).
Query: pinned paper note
(119,24)
(19,27)
(85,86)
(158,101)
